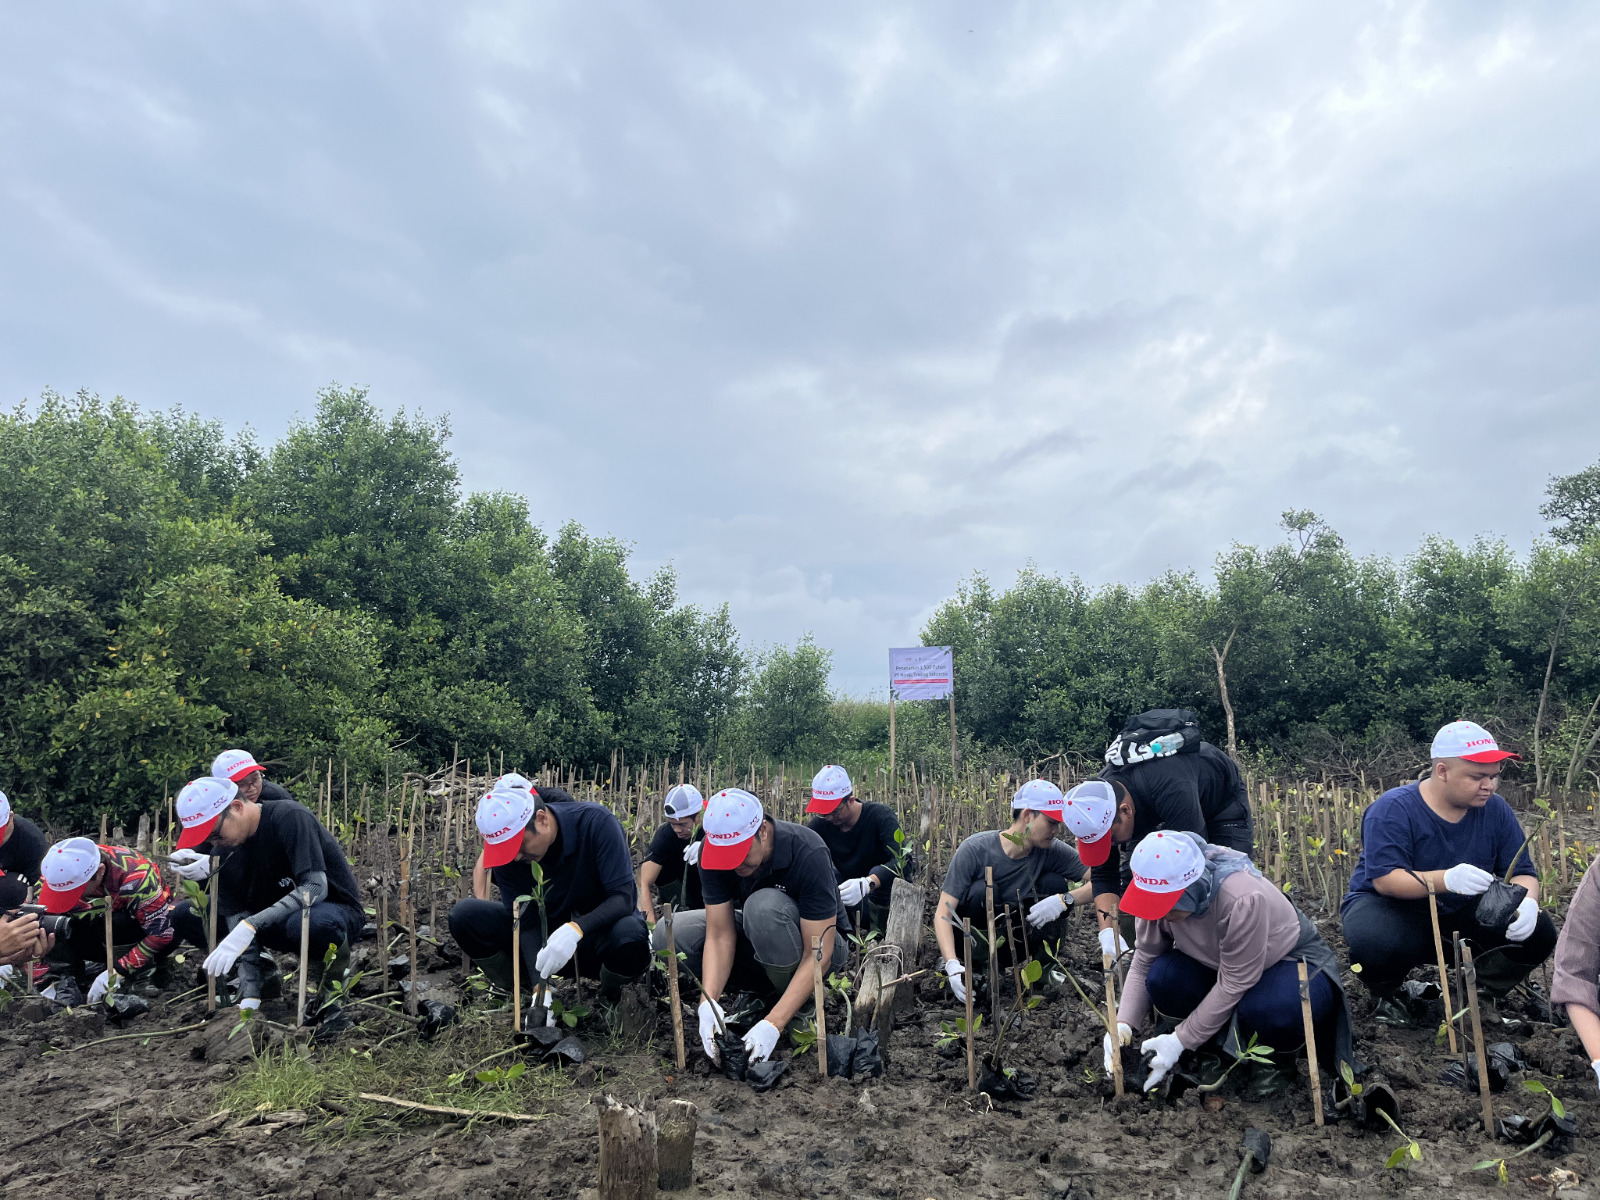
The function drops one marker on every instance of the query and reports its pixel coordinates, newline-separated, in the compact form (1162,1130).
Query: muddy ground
(136,1117)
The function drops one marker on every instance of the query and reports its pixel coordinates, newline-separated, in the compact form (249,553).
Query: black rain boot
(497,970)
(1271,1078)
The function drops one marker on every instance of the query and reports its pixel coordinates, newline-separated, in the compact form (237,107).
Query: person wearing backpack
(1165,777)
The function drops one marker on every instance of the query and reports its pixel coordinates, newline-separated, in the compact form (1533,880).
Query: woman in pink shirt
(1215,950)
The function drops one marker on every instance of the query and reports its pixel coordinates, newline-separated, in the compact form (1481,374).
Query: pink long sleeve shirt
(1249,927)
(1576,978)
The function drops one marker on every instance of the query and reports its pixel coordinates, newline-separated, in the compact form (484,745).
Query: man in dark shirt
(1198,791)
(22,846)
(277,861)
(588,891)
(860,840)
(769,889)
(671,862)
(240,768)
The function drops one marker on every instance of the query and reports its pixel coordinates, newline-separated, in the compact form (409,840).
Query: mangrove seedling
(1253,1052)
(1405,1155)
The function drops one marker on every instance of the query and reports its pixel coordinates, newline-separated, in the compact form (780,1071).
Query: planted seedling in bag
(1498,905)
(735,1058)
(1504,1061)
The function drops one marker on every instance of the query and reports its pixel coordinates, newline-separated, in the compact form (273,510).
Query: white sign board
(921,672)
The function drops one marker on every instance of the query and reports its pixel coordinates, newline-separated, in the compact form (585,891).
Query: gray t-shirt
(1017,881)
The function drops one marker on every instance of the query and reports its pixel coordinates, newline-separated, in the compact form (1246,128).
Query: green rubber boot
(611,985)
(497,970)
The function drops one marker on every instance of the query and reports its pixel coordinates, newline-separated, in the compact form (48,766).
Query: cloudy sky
(831,305)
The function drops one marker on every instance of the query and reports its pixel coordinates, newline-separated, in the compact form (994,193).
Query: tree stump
(627,1152)
(896,957)
(675,1145)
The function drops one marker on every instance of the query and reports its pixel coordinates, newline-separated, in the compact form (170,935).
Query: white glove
(1522,924)
(220,961)
(191,864)
(1167,1050)
(558,951)
(1596,1065)
(708,1026)
(1464,879)
(854,891)
(250,1002)
(1111,942)
(1047,910)
(6,972)
(763,1036)
(953,971)
(691,853)
(1124,1037)
(100,986)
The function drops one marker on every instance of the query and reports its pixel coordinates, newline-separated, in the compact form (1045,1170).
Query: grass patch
(445,1071)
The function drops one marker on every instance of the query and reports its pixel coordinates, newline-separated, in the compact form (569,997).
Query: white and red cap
(733,818)
(513,782)
(234,765)
(200,806)
(67,869)
(5,811)
(1163,865)
(502,816)
(830,787)
(1468,740)
(682,802)
(1089,810)
(1040,795)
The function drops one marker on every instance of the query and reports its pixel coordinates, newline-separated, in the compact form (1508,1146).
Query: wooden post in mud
(211,936)
(675,1145)
(1313,1068)
(672,986)
(822,1016)
(305,956)
(966,949)
(1109,967)
(1444,975)
(1016,966)
(994,952)
(516,966)
(1471,973)
(111,954)
(628,1164)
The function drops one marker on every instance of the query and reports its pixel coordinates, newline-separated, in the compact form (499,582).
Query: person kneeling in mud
(672,861)
(769,888)
(1216,948)
(1033,873)
(587,890)
(861,841)
(79,876)
(277,863)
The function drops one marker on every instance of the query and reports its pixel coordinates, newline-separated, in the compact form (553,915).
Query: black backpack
(1155,734)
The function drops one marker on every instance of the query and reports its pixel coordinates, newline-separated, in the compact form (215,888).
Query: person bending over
(588,892)
(80,879)
(277,863)
(861,842)
(22,846)
(671,864)
(1454,833)
(769,889)
(1577,965)
(1033,873)
(1216,949)
(240,768)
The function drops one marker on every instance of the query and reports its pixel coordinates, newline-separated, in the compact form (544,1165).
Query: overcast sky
(832,305)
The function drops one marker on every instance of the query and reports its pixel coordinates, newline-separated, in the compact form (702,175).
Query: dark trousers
(974,905)
(331,925)
(482,928)
(1389,937)
(1270,1010)
(83,950)
(1237,835)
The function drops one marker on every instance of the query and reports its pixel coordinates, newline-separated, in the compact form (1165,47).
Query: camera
(55,924)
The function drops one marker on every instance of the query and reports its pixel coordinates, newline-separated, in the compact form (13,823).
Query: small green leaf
(899,837)
(1485,1164)
(570,1020)
(1416,1151)
(1033,972)
(515,1071)
(1395,1159)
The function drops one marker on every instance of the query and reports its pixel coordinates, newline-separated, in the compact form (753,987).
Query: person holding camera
(80,879)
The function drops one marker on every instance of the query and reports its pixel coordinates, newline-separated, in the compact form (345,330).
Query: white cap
(501,817)
(199,804)
(830,787)
(1040,795)
(733,817)
(67,868)
(682,802)
(5,811)
(1090,809)
(1468,740)
(1163,864)
(234,765)
(511,781)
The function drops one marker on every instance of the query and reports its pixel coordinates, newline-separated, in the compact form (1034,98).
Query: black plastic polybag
(331,1022)
(841,1050)
(435,1016)
(568,1052)
(1006,1085)
(68,992)
(124,1007)
(764,1076)
(868,1060)
(1498,905)
(735,1058)
(1504,1061)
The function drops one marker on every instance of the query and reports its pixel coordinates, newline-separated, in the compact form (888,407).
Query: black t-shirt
(1183,792)
(24,849)
(288,844)
(272,792)
(799,866)
(666,851)
(588,872)
(868,848)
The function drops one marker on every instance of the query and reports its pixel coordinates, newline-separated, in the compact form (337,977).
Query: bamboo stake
(1444,975)
(305,956)
(1108,967)
(672,986)
(1311,1044)
(994,953)
(1016,965)
(516,966)
(211,935)
(972,1058)
(111,959)
(822,1016)
(1477,1038)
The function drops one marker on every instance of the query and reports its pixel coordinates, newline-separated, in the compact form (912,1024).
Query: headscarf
(1221,862)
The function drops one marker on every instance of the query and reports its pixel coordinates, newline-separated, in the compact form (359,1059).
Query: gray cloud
(910,291)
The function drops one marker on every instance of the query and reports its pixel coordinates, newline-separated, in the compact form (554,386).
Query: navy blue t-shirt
(1399,831)
(588,871)
(799,867)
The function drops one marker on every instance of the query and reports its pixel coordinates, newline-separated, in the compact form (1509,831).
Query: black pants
(1389,937)
(1237,834)
(482,928)
(82,951)
(331,924)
